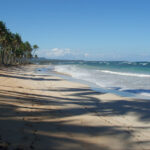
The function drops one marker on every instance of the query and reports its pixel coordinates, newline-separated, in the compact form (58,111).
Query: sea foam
(126,74)
(108,78)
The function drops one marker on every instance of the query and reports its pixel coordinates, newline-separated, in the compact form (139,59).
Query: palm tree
(3,40)
(17,41)
(35,47)
(28,51)
(12,49)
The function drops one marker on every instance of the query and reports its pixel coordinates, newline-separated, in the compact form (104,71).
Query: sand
(44,112)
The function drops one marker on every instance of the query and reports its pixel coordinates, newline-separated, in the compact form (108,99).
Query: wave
(144,64)
(145,94)
(109,80)
(77,71)
(125,74)
(71,70)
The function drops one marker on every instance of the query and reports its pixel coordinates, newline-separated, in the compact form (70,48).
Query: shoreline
(93,86)
(47,112)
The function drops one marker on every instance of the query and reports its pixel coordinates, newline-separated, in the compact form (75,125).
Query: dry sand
(49,113)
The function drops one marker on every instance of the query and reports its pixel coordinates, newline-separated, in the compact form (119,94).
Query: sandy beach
(45,112)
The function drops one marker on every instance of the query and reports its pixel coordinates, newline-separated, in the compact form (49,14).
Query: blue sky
(82,29)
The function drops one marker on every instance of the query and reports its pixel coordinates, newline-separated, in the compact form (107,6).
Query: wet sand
(49,113)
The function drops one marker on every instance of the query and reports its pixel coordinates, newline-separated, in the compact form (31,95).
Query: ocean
(131,79)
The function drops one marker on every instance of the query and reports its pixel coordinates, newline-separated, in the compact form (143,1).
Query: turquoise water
(119,66)
(120,76)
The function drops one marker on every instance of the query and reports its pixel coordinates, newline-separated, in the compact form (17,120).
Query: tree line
(12,49)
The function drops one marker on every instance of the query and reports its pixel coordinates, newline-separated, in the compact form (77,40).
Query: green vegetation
(13,50)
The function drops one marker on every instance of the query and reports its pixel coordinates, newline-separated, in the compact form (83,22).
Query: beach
(46,112)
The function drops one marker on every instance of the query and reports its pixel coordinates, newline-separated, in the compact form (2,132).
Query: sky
(82,29)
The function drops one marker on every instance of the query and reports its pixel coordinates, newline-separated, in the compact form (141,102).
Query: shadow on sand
(24,127)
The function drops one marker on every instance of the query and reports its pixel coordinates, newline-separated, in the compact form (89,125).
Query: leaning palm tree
(28,51)
(12,49)
(35,47)
(8,48)
(17,41)
(3,40)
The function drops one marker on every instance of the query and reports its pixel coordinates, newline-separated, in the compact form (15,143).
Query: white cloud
(86,54)
(55,52)
(63,53)
(67,53)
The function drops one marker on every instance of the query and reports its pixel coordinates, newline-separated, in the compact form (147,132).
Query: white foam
(71,70)
(144,64)
(126,74)
(145,94)
(109,80)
